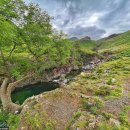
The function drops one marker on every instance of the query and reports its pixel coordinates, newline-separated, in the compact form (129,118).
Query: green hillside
(106,88)
(50,82)
(87,46)
(108,83)
(117,45)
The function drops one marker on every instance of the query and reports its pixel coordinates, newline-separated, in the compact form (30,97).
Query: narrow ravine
(21,94)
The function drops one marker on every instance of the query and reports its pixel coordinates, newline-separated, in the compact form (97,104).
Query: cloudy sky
(94,18)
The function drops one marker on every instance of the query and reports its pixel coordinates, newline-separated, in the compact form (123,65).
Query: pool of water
(21,94)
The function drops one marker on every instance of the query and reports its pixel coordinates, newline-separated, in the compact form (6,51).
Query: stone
(16,112)
(56,81)
(92,125)
(23,128)
(113,80)
(84,96)
(65,81)
(114,122)
(83,74)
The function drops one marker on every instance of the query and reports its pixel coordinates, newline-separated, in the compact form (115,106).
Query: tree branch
(12,51)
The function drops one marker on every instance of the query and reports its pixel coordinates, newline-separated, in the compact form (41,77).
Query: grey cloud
(102,17)
(93,32)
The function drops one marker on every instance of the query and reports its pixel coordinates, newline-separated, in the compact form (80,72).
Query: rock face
(85,38)
(73,38)
(55,108)
(89,62)
(48,75)
(112,36)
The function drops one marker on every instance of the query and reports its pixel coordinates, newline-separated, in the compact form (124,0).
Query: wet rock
(56,80)
(65,81)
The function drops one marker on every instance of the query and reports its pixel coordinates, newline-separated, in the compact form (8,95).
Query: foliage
(74,117)
(11,119)
(123,116)
(39,120)
(32,44)
(93,104)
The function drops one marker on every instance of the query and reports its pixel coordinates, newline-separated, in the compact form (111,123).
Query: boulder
(56,107)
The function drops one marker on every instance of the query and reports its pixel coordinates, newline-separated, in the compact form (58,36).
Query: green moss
(103,91)
(123,116)
(82,124)
(107,115)
(93,104)
(106,126)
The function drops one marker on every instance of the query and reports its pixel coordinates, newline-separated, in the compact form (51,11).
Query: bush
(11,119)
(93,104)
(103,91)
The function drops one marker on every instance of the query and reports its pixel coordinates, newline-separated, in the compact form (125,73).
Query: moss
(103,91)
(75,116)
(123,116)
(39,120)
(106,126)
(107,115)
(93,104)
(82,124)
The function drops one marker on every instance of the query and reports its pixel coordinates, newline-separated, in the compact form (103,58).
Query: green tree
(10,11)
(28,44)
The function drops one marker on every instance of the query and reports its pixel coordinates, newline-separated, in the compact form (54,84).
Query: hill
(101,96)
(49,82)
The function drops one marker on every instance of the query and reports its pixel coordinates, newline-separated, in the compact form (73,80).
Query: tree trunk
(5,95)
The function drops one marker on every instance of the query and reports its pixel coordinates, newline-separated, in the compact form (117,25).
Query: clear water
(21,94)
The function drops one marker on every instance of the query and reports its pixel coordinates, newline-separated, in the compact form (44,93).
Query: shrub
(93,104)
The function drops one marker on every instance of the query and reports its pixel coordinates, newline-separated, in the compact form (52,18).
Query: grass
(123,116)
(11,119)
(115,41)
(103,83)
(106,80)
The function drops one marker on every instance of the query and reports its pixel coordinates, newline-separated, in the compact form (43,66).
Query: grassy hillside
(100,98)
(87,46)
(119,46)
(107,83)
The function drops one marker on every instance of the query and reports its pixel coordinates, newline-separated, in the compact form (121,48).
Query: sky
(94,18)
